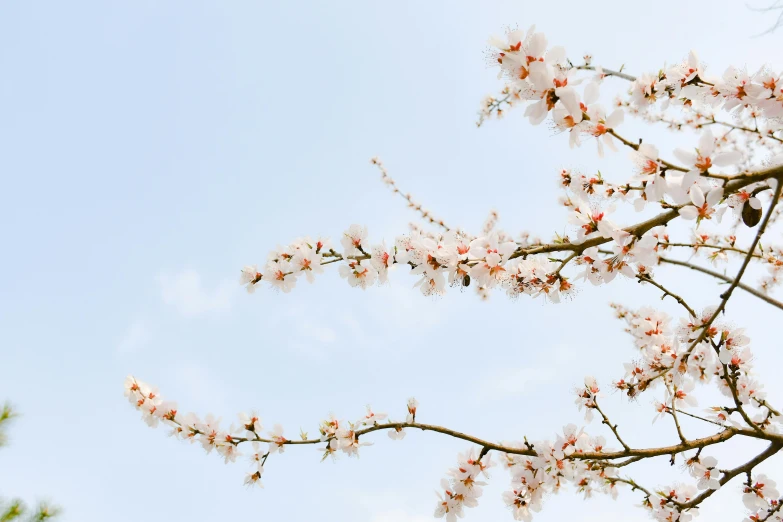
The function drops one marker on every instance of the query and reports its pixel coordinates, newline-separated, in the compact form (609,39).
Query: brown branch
(611,427)
(608,72)
(727,294)
(645,278)
(736,183)
(730,474)
(424,213)
(739,128)
(673,412)
(772,511)
(697,246)
(635,146)
(630,482)
(717,275)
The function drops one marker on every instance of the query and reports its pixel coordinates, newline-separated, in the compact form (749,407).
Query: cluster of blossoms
(571,458)
(727,176)
(464,487)
(762,497)
(547,81)
(337,435)
(682,356)
(554,464)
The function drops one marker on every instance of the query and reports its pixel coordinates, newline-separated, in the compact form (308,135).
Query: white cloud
(313,341)
(508,382)
(136,336)
(187,294)
(513,381)
(322,334)
(370,500)
(199,386)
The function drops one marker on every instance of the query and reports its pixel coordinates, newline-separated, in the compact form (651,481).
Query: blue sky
(152,148)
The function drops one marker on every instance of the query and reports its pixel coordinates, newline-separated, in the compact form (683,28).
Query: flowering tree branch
(736,172)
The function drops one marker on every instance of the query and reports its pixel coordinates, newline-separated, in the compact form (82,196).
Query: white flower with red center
(627,249)
(683,74)
(280,276)
(491,253)
(591,222)
(719,415)
(449,506)
(257,456)
(738,200)
(227,448)
(186,430)
(249,277)
(381,261)
(329,427)
(254,478)
(359,274)
(396,433)
(646,90)
(413,404)
(464,488)
(306,261)
(732,340)
(278,441)
(209,434)
(322,244)
(691,328)
(704,157)
(662,411)
(650,328)
(705,471)
(682,395)
(551,86)
(771,95)
(592,266)
(353,240)
(703,206)
(469,466)
(569,442)
(599,125)
(521,503)
(665,507)
(769,82)
(251,423)
(758,494)
(348,441)
(517,51)
(737,87)
(371,418)
(565,121)
(749,389)
(431,269)
(648,166)
(586,397)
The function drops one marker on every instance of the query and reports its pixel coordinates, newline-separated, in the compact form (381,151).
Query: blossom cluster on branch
(731,177)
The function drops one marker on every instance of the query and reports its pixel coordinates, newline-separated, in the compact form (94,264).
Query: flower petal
(724,159)
(689,212)
(714,196)
(697,196)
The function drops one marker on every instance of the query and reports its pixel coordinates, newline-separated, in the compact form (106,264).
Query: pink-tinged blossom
(705,471)
(702,206)
(758,494)
(353,240)
(360,274)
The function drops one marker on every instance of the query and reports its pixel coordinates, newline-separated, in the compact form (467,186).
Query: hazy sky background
(149,149)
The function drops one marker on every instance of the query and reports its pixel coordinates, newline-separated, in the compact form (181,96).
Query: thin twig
(717,275)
